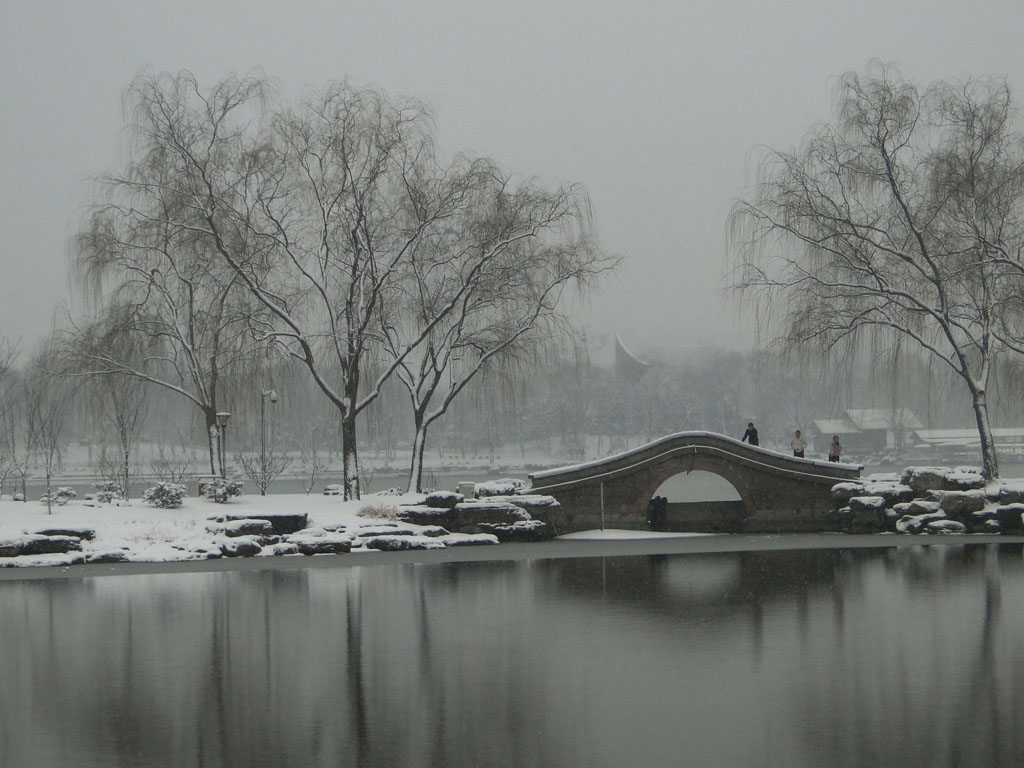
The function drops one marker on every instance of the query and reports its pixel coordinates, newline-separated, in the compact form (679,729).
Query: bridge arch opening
(696,500)
(697,485)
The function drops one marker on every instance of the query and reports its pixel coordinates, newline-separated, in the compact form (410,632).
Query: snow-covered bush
(165,495)
(108,491)
(60,496)
(220,490)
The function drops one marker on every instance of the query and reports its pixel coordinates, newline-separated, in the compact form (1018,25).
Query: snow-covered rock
(443,499)
(883,477)
(533,503)
(242,546)
(945,527)
(923,479)
(1011,517)
(281,523)
(843,492)
(421,514)
(469,539)
(916,507)
(320,542)
(964,479)
(917,523)
(48,559)
(959,503)
(247,527)
(860,520)
(867,503)
(78,532)
(386,529)
(1008,492)
(281,548)
(518,531)
(892,492)
(401,543)
(38,544)
(107,556)
(505,487)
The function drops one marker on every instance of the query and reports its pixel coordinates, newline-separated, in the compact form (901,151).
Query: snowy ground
(150,534)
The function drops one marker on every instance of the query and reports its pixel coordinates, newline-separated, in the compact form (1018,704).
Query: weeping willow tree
(485,289)
(315,212)
(899,221)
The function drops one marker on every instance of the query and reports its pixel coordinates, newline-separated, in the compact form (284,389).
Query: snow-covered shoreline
(377,529)
(198,530)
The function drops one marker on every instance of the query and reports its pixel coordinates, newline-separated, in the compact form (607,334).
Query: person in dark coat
(750,436)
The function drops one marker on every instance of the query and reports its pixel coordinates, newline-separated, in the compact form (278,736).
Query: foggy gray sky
(653,106)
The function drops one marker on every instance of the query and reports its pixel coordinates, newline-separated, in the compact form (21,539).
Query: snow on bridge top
(688,439)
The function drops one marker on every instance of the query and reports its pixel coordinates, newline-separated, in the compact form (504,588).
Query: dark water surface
(909,656)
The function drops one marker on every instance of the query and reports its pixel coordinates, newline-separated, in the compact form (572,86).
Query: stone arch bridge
(779,493)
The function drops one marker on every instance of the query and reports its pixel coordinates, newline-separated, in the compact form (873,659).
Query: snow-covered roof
(884,418)
(835,426)
(968,436)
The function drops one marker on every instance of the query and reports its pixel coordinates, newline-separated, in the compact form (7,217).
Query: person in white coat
(798,444)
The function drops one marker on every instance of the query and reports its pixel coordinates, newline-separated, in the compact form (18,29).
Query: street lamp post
(263,435)
(222,424)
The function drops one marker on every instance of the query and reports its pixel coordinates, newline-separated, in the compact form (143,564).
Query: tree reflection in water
(810,657)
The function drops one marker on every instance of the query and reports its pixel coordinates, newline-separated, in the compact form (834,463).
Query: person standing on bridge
(750,436)
(798,444)
(834,449)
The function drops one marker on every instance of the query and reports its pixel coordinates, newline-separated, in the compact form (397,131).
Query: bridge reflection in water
(776,492)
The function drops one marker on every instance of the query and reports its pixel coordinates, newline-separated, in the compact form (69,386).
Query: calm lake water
(812,657)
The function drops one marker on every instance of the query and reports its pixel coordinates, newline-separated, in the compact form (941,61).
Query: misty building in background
(965,441)
(867,430)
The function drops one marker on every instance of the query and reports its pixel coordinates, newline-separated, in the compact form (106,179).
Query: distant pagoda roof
(628,365)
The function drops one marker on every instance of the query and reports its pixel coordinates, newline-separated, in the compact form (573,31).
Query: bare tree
(318,210)
(45,401)
(486,288)
(166,317)
(17,435)
(8,442)
(882,226)
(122,401)
(264,469)
(300,210)
(313,467)
(170,469)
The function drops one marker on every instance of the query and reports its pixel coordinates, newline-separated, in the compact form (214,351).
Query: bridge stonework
(779,493)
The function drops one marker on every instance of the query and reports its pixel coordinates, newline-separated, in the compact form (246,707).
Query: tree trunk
(211,432)
(349,456)
(125,446)
(419,444)
(989,461)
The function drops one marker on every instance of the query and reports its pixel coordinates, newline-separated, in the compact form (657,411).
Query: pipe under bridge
(778,492)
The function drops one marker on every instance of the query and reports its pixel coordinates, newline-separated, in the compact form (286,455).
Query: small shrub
(60,496)
(108,491)
(164,495)
(381,511)
(220,490)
